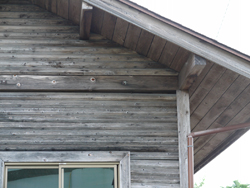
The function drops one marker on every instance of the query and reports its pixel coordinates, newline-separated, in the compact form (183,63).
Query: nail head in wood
(124,83)
(92,79)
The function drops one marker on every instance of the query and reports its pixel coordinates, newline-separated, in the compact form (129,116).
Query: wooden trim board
(183,113)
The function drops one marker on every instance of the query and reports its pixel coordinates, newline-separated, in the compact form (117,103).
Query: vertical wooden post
(183,113)
(85,21)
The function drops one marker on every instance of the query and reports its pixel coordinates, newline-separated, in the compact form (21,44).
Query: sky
(226,21)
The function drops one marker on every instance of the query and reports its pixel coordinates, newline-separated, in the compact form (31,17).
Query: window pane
(32,178)
(88,177)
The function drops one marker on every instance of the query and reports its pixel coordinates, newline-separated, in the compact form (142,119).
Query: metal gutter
(190,146)
(187,30)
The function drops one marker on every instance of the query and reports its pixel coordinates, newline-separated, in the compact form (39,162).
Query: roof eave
(177,34)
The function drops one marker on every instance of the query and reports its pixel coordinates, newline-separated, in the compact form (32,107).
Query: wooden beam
(183,114)
(85,21)
(176,35)
(88,83)
(190,71)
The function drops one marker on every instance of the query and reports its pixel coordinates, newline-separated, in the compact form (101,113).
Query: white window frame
(64,158)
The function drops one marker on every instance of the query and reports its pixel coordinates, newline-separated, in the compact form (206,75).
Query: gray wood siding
(49,102)
(145,124)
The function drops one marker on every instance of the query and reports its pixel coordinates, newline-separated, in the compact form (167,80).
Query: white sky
(226,21)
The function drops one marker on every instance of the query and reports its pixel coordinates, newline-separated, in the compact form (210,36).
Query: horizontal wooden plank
(132,65)
(88,83)
(77,118)
(34,22)
(103,126)
(100,140)
(41,36)
(13,28)
(125,110)
(150,179)
(154,185)
(64,50)
(20,8)
(18,2)
(29,15)
(94,147)
(90,97)
(154,171)
(79,112)
(156,163)
(154,177)
(46,71)
(107,105)
(55,42)
(59,56)
(153,156)
(73,58)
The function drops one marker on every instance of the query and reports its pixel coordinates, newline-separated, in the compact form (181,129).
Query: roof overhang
(159,26)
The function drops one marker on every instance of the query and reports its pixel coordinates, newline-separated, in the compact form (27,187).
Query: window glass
(32,178)
(88,177)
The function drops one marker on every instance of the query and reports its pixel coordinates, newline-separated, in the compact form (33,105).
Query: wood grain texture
(108,27)
(44,28)
(168,54)
(210,147)
(144,42)
(84,83)
(212,97)
(180,59)
(190,71)
(238,63)
(20,8)
(184,128)
(205,86)
(30,15)
(132,37)
(40,3)
(35,22)
(224,101)
(75,11)
(52,6)
(198,81)
(226,113)
(85,22)
(36,55)
(225,144)
(156,48)
(122,158)
(97,20)
(120,31)
(62,8)
(35,35)
(97,121)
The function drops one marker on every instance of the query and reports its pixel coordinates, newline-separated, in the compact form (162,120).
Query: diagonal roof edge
(177,34)
(187,30)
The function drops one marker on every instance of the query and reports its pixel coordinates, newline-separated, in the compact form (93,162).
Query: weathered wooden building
(137,83)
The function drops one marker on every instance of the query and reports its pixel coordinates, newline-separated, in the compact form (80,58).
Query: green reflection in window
(32,178)
(89,178)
